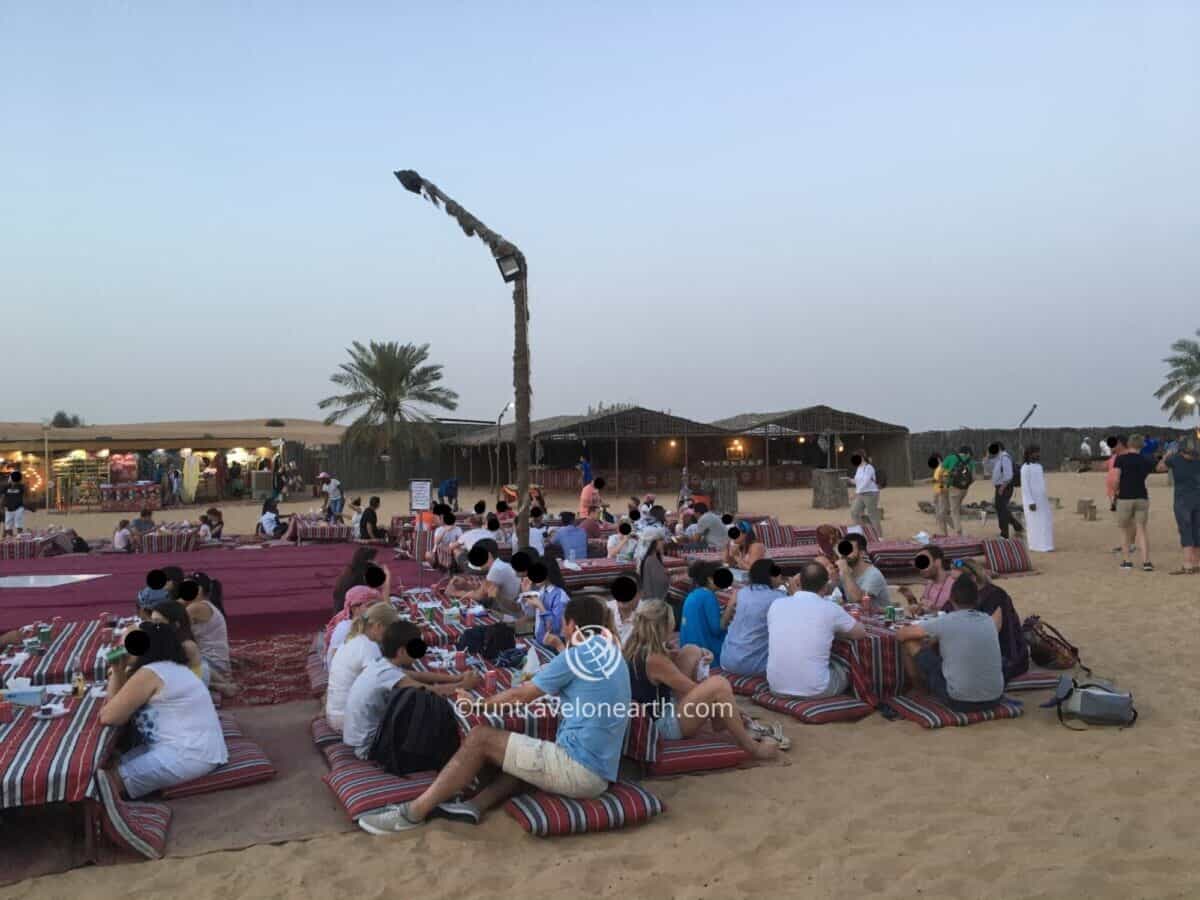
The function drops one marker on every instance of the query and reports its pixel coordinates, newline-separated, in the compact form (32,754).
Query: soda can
(460,661)
(890,613)
(45,634)
(489,681)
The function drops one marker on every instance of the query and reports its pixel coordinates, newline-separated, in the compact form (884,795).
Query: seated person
(360,649)
(623,544)
(205,530)
(835,592)
(144,523)
(931,563)
(591,524)
(271,524)
(653,529)
(746,640)
(201,596)
(995,602)
(123,537)
(216,522)
(474,532)
(580,763)
(744,548)
(506,514)
(686,528)
(623,605)
(570,538)
(445,536)
(537,532)
(859,578)
(800,633)
(546,608)
(356,511)
(660,683)
(501,586)
(369,529)
(956,656)
(704,623)
(367,701)
(171,709)
(358,599)
(172,613)
(710,530)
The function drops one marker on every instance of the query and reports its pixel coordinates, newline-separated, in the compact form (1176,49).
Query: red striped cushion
(821,711)
(641,739)
(229,726)
(622,805)
(773,534)
(1006,556)
(1036,680)
(743,685)
(247,765)
(697,754)
(132,825)
(362,787)
(929,713)
(323,733)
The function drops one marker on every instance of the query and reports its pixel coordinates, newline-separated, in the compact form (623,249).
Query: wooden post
(767,446)
(617,464)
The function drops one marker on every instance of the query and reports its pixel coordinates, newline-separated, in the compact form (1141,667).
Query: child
(123,537)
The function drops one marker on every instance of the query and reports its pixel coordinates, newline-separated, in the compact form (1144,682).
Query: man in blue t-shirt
(591,680)
(571,539)
(703,622)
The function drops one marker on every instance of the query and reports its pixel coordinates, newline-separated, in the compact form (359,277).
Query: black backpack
(962,476)
(419,733)
(488,640)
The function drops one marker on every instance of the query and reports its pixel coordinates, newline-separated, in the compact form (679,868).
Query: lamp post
(511,263)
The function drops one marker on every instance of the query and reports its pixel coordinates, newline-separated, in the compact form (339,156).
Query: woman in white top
(360,649)
(623,606)
(171,709)
(623,545)
(123,537)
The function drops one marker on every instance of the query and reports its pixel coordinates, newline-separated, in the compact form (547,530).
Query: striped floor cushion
(229,726)
(132,825)
(622,805)
(247,765)
(1034,680)
(743,685)
(362,787)
(843,708)
(323,733)
(1006,556)
(929,713)
(772,534)
(318,676)
(641,740)
(708,753)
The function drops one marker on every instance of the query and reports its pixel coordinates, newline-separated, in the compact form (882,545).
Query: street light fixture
(511,266)
(1189,400)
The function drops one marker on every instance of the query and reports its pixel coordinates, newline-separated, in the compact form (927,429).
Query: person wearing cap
(501,586)
(546,606)
(744,548)
(334,498)
(1184,466)
(746,641)
(358,599)
(859,577)
(149,599)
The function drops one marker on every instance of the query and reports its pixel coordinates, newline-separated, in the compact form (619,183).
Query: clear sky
(935,214)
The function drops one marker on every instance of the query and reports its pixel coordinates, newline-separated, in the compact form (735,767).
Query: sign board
(419,494)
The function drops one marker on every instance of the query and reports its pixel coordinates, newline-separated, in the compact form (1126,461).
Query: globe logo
(593,660)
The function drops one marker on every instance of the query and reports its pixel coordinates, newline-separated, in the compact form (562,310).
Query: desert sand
(1020,808)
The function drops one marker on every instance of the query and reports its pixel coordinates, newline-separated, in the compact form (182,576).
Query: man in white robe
(1039,520)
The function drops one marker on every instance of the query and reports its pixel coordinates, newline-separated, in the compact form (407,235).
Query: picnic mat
(270,670)
(74,646)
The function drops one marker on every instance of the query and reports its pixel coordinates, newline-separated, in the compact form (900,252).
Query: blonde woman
(359,651)
(681,706)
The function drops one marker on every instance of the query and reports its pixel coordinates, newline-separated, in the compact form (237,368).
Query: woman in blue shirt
(703,622)
(547,607)
(745,649)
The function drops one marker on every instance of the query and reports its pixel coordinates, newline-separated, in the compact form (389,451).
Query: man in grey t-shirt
(710,529)
(957,656)
(859,578)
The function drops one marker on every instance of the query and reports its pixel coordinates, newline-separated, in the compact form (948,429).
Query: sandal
(1183,571)
(1147,567)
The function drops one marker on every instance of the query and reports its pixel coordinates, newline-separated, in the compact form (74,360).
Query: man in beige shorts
(1133,501)
(591,680)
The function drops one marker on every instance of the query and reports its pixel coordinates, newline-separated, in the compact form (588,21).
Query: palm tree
(390,386)
(1183,379)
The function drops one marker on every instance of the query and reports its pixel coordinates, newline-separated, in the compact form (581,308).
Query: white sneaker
(389,820)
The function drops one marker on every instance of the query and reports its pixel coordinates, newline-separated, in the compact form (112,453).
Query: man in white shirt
(1002,481)
(336,500)
(537,533)
(865,508)
(800,634)
(501,584)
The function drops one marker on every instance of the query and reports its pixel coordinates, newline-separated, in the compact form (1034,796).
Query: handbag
(1095,704)
(1048,647)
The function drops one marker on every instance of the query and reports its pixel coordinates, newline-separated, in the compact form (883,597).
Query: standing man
(1133,501)
(1002,481)
(589,497)
(960,474)
(865,508)
(335,500)
(585,468)
(1085,449)
(14,504)
(1038,516)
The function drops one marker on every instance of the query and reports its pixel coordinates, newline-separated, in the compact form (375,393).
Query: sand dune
(1021,808)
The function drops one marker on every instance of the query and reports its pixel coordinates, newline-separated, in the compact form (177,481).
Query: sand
(876,808)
